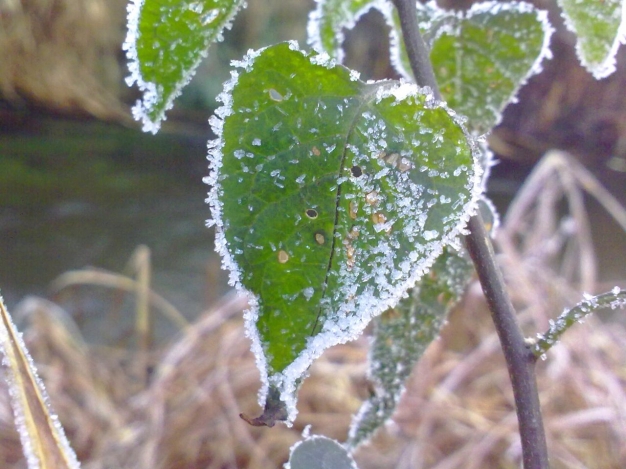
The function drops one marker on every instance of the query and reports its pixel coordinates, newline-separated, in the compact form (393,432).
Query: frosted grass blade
(43,440)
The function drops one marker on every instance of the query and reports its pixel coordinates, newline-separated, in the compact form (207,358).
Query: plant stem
(519,358)
(614,299)
(419,56)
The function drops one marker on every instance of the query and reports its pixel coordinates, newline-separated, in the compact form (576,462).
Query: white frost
(353,314)
(340,19)
(153,92)
(605,67)
(11,341)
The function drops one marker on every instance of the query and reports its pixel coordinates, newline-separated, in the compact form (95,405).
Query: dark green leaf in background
(480,57)
(328,20)
(331,198)
(402,334)
(600,27)
(166,41)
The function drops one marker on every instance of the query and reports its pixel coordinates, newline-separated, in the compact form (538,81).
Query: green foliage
(327,21)
(166,41)
(402,334)
(600,27)
(334,197)
(480,57)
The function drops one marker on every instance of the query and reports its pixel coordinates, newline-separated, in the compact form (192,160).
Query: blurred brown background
(80,185)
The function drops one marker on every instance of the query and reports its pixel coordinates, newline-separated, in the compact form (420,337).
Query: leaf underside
(332,198)
(319,452)
(402,334)
(166,41)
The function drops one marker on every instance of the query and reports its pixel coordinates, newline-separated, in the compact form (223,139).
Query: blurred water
(88,194)
(64,213)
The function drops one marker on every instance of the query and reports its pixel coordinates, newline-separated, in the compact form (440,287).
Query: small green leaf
(328,20)
(480,57)
(319,452)
(331,198)
(402,334)
(166,41)
(600,27)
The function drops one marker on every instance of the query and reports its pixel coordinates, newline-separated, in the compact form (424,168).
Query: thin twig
(614,299)
(519,358)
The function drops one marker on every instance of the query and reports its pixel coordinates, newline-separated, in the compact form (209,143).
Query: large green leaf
(481,57)
(402,334)
(330,17)
(331,198)
(166,41)
(600,27)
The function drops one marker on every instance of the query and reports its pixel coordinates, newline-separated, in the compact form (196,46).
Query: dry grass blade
(44,443)
(119,282)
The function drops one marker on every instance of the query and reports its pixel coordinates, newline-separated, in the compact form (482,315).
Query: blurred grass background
(80,186)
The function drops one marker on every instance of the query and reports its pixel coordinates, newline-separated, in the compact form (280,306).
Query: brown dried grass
(457,412)
(63,54)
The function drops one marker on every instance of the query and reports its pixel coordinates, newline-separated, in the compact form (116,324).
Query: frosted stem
(519,358)
(614,299)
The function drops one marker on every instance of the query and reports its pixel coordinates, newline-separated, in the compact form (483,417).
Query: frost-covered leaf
(43,440)
(331,198)
(600,27)
(319,452)
(402,334)
(481,57)
(166,41)
(331,17)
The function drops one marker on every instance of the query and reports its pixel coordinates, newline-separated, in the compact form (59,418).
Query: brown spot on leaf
(353,209)
(378,218)
(283,256)
(371,198)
